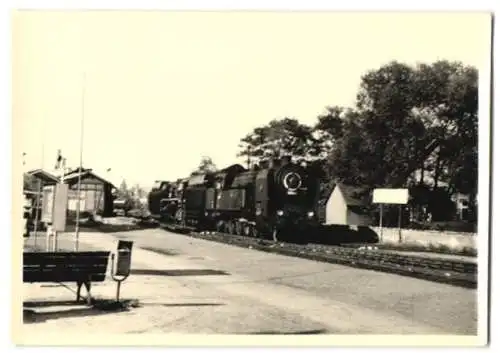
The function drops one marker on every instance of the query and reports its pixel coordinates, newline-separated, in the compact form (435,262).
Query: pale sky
(165,88)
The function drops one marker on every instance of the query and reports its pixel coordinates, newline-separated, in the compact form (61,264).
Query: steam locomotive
(275,199)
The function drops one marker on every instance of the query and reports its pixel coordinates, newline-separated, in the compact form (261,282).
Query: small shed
(33,183)
(96,193)
(348,205)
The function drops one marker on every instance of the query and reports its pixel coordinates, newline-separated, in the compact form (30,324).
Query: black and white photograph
(265,176)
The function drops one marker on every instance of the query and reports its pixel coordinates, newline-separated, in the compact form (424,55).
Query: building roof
(354,195)
(72,176)
(44,175)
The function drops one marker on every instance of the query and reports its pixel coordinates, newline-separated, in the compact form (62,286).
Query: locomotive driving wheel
(278,235)
(254,232)
(220,226)
(230,227)
(238,228)
(247,231)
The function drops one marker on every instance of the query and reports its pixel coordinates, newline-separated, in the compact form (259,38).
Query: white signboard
(55,204)
(60,207)
(48,204)
(391,196)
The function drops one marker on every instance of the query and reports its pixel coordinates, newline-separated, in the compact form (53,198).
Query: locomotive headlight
(279,212)
(310,214)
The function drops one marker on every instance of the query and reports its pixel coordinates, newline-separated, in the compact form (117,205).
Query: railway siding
(449,271)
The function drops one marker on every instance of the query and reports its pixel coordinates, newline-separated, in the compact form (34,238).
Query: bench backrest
(65,266)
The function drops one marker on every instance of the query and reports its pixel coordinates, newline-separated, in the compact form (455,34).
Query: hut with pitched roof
(348,205)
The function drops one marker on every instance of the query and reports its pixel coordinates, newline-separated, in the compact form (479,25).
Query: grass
(448,226)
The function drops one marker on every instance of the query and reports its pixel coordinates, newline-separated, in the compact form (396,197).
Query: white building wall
(338,213)
(336,210)
(90,200)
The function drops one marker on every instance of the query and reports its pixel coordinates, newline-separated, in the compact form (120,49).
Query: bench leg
(87,287)
(89,296)
(78,288)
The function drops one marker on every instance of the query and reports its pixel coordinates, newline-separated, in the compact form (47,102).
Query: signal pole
(77,227)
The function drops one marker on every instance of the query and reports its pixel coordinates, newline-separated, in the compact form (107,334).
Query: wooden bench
(81,267)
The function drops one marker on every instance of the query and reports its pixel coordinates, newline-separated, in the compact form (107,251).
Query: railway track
(449,271)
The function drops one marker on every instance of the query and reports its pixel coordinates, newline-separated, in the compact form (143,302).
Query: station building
(96,193)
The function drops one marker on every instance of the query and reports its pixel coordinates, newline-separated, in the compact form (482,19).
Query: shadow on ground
(167,252)
(98,307)
(178,272)
(45,304)
(109,228)
(310,332)
(181,304)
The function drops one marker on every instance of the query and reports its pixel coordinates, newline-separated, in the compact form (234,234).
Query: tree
(123,191)
(407,119)
(206,166)
(451,97)
(401,111)
(139,191)
(329,128)
(280,137)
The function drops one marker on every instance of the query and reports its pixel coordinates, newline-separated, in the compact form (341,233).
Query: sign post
(380,223)
(399,225)
(391,196)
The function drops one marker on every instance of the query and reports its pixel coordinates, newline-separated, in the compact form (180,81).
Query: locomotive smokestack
(286,160)
(263,164)
(275,162)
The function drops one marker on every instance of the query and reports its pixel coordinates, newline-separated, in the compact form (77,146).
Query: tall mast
(77,227)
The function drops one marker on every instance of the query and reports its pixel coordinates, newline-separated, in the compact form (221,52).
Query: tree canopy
(280,137)
(206,166)
(411,125)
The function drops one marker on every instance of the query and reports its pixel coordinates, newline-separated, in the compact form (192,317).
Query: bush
(450,226)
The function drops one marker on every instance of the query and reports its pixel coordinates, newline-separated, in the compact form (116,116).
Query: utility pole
(77,227)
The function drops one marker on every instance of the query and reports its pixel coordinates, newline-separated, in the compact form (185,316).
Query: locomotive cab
(194,194)
(230,201)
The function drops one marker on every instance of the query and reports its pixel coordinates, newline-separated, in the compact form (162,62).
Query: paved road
(197,286)
(373,295)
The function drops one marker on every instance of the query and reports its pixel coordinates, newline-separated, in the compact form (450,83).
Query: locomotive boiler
(274,199)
